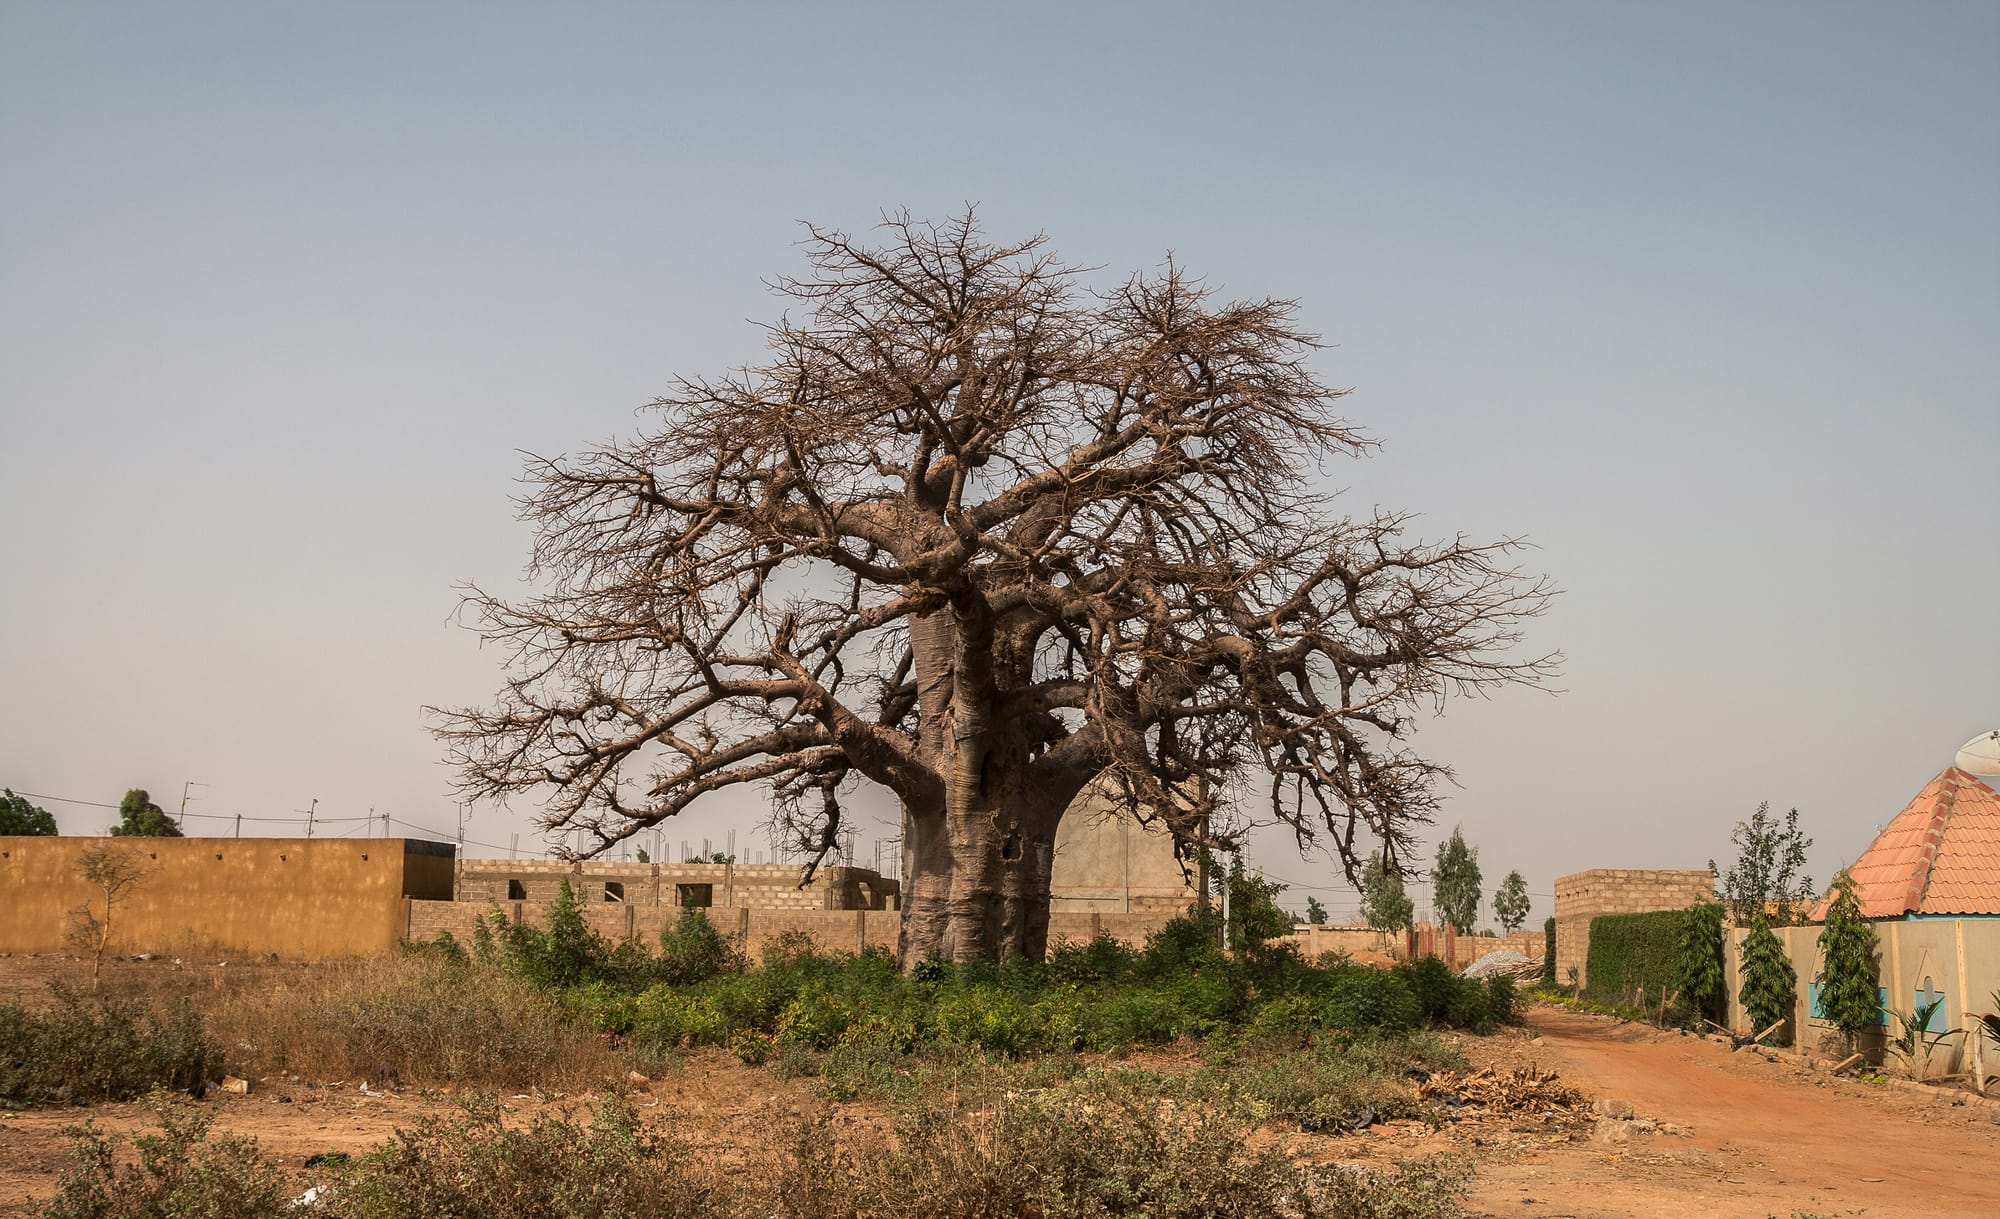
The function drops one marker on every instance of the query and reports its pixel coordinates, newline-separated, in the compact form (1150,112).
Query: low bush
(1100,1150)
(81,1049)
(176,1171)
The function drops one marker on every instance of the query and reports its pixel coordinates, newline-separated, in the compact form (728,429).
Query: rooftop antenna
(181,819)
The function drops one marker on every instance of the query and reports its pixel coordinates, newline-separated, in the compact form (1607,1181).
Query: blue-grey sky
(1702,299)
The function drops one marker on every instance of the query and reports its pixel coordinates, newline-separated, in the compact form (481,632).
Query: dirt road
(1767,1138)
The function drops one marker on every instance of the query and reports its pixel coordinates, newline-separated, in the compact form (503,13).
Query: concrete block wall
(1957,959)
(1582,896)
(754,927)
(761,886)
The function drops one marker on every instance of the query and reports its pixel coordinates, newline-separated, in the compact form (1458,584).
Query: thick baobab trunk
(978,866)
(978,880)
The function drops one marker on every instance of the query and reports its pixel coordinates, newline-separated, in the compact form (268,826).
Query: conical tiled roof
(1940,855)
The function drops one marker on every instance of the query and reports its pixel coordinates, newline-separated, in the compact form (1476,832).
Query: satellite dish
(1981,754)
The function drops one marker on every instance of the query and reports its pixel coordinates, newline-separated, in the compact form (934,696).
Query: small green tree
(1254,913)
(693,950)
(569,949)
(18,817)
(643,857)
(1385,906)
(1698,958)
(139,817)
(1549,951)
(1315,913)
(1847,978)
(1770,985)
(1768,877)
(1455,882)
(1510,902)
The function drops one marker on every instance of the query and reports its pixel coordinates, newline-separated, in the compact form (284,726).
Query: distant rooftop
(1940,855)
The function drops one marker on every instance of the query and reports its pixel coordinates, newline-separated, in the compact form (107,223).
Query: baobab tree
(982,535)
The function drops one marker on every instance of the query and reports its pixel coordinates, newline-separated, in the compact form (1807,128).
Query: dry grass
(412,1020)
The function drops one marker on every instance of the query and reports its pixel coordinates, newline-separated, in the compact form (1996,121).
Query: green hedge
(1632,951)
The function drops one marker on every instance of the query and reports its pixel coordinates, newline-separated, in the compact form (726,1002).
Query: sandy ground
(1769,1138)
(1714,1133)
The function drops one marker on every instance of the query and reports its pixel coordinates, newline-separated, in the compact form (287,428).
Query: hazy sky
(1704,300)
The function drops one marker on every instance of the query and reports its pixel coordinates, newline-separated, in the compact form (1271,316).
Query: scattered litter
(146,956)
(1524,1089)
(368,1091)
(328,1159)
(309,1200)
(636,1079)
(231,1083)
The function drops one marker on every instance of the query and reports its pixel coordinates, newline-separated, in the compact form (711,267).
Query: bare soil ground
(1712,1133)
(1768,1138)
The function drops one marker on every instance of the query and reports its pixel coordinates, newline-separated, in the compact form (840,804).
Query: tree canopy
(1385,905)
(18,816)
(982,535)
(1768,877)
(1510,902)
(139,817)
(1455,882)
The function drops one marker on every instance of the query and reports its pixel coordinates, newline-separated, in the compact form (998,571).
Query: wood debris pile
(1522,1090)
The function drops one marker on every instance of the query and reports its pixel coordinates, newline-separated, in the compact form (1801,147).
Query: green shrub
(85,1049)
(177,1172)
(1698,958)
(1770,987)
(692,950)
(1630,953)
(1359,1000)
(815,1018)
(1848,978)
(554,1168)
(1549,951)
(1435,987)
(1102,959)
(986,1018)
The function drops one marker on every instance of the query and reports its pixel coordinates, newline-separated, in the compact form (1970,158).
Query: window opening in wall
(695,895)
(516,891)
(614,891)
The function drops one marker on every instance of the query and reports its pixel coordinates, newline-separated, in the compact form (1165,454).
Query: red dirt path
(1768,1138)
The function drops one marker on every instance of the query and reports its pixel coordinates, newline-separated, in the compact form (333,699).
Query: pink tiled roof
(1940,855)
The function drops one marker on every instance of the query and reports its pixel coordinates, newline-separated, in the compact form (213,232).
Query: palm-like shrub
(1698,957)
(1847,976)
(1770,984)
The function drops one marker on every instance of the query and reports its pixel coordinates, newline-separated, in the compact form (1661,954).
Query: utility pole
(309,811)
(239,825)
(181,818)
(385,821)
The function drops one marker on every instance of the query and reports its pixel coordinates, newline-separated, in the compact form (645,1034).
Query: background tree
(982,536)
(139,817)
(1848,970)
(1455,882)
(1768,876)
(1770,989)
(1255,916)
(1510,903)
(1385,905)
(1315,913)
(114,872)
(1698,959)
(17,816)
